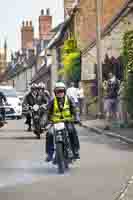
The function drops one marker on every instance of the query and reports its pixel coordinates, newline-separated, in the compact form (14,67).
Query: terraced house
(26,64)
(116,19)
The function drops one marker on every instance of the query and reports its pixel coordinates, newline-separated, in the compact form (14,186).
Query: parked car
(14,107)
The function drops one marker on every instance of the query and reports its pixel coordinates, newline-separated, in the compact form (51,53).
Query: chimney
(27,35)
(45,25)
(42,12)
(47,11)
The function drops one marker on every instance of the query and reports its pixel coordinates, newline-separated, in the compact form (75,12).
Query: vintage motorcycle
(38,114)
(39,119)
(63,154)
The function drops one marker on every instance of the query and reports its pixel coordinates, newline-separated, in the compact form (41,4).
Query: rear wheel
(60,158)
(19,117)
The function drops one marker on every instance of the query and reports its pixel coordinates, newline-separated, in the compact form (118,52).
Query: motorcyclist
(2,109)
(62,108)
(43,98)
(30,100)
(43,94)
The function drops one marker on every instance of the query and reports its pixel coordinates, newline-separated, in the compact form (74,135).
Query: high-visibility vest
(64,115)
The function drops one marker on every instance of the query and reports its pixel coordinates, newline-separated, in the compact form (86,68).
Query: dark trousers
(28,119)
(73,139)
(3,114)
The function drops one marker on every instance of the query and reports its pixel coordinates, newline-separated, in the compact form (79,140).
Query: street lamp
(98,45)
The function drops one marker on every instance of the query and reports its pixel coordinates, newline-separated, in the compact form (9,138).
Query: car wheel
(13,117)
(19,117)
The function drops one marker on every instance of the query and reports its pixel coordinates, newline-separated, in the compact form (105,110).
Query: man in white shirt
(81,98)
(72,92)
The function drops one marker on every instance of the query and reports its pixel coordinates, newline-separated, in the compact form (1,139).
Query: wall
(85,19)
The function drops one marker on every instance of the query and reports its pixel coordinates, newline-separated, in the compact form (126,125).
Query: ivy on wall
(128,71)
(71,61)
(128,51)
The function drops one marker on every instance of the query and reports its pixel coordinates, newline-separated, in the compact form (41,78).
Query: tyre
(37,133)
(36,129)
(19,117)
(13,117)
(60,158)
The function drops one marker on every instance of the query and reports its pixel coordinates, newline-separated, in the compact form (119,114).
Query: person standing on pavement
(72,93)
(81,97)
(111,99)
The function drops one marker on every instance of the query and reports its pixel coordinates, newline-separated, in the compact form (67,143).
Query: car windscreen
(8,92)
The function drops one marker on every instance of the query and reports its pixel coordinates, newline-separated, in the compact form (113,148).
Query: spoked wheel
(37,133)
(37,130)
(60,158)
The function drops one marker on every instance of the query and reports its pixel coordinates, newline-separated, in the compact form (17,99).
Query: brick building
(45,25)
(84,28)
(27,35)
(25,64)
(85,18)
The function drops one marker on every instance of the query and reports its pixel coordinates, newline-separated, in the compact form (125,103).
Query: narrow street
(104,168)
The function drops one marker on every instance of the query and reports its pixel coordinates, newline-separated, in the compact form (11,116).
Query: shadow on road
(32,168)
(91,137)
(7,130)
(19,138)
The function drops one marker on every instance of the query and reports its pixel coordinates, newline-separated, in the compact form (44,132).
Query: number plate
(59,126)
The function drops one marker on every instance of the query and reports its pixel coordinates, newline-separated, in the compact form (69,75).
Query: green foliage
(70,60)
(128,63)
(128,52)
(129,94)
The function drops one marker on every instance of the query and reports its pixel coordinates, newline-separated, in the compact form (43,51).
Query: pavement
(103,172)
(97,125)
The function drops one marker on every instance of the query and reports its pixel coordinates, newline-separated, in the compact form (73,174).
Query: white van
(14,107)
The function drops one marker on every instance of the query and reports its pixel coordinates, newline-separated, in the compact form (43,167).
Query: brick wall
(85,26)
(111,45)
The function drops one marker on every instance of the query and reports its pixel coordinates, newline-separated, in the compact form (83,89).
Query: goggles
(60,91)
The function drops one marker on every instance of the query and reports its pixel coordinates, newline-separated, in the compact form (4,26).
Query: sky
(13,12)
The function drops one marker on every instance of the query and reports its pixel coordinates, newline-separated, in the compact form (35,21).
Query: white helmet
(60,85)
(42,85)
(34,86)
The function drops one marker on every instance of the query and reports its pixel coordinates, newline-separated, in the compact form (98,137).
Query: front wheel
(36,127)
(60,158)
(37,133)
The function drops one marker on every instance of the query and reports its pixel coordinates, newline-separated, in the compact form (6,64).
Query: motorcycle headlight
(36,107)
